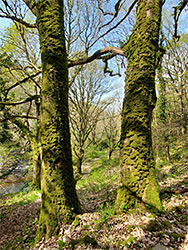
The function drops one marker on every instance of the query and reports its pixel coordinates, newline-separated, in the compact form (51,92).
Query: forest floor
(97,227)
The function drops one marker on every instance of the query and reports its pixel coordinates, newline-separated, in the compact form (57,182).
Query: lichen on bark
(59,198)
(138,180)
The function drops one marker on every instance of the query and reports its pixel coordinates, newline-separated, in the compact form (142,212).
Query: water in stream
(11,187)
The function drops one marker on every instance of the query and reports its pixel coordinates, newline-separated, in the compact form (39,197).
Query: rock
(159,246)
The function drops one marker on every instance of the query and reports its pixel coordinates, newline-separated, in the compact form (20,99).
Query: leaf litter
(97,228)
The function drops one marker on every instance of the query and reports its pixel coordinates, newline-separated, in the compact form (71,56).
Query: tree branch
(97,55)
(117,8)
(179,8)
(18,116)
(29,99)
(19,20)
(115,26)
(22,81)
(31,5)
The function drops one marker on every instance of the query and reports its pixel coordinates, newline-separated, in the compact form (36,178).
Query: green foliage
(105,212)
(92,152)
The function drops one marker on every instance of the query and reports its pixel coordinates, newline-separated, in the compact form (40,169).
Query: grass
(103,173)
(93,152)
(21,197)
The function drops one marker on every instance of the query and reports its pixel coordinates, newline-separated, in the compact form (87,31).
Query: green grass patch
(21,197)
(103,173)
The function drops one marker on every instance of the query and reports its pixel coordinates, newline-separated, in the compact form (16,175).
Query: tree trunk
(59,198)
(110,154)
(36,165)
(80,158)
(79,165)
(138,180)
(36,149)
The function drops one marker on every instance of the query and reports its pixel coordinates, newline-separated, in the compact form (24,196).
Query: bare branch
(115,26)
(179,8)
(18,116)
(117,8)
(29,99)
(22,81)
(19,20)
(31,5)
(96,55)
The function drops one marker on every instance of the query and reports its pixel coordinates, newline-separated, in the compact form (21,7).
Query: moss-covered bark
(36,159)
(59,198)
(138,181)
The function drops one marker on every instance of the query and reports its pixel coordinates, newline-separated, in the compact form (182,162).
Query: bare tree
(86,106)
(111,121)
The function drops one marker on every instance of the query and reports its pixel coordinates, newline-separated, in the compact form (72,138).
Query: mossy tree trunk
(59,198)
(36,159)
(138,180)
(80,159)
(36,149)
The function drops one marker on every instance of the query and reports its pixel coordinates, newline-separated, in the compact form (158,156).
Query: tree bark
(35,143)
(59,198)
(138,180)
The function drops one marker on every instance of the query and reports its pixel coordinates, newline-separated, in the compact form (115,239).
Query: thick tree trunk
(138,180)
(59,198)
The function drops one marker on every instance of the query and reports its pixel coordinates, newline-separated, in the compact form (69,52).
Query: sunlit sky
(4,22)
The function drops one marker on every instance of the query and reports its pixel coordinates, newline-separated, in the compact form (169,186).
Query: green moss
(85,227)
(179,208)
(98,226)
(166,224)
(151,193)
(137,162)
(161,234)
(59,198)
(176,236)
(85,240)
(154,226)
(124,200)
(170,209)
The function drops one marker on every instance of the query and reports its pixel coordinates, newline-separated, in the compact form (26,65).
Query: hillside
(98,228)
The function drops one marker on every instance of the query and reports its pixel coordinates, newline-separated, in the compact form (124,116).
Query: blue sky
(4,22)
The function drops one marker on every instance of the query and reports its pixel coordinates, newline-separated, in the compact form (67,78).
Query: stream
(11,187)
(18,173)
